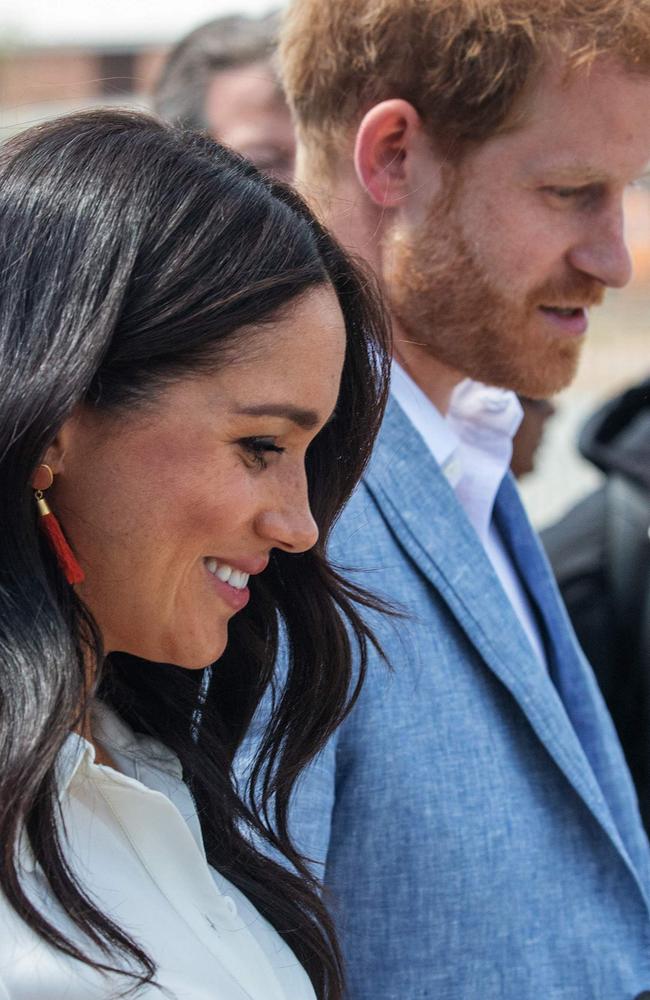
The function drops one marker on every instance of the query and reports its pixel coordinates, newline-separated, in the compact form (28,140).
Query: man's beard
(443,299)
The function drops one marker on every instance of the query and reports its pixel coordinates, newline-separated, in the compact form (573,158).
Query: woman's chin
(187,658)
(200,665)
(200,658)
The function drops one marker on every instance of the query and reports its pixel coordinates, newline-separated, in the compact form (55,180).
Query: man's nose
(602,252)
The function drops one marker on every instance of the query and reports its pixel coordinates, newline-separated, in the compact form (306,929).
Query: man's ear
(388,149)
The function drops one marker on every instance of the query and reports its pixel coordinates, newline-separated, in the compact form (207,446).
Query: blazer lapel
(423,513)
(526,553)
(568,668)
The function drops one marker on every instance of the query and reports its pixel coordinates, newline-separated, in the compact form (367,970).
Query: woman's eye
(257,448)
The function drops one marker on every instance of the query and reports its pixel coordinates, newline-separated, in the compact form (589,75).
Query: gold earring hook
(38,494)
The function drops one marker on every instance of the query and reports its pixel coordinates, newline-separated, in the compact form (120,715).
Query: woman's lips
(229,581)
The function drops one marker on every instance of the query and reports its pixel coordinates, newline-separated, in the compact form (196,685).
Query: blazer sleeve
(312,808)
(312,802)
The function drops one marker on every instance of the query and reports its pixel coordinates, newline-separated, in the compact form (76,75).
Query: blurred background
(60,55)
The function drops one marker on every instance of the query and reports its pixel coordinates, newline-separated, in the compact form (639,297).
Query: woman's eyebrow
(306,419)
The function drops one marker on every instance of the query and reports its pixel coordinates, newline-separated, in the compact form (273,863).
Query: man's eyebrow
(306,419)
(583,173)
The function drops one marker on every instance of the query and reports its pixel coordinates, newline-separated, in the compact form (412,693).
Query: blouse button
(230,905)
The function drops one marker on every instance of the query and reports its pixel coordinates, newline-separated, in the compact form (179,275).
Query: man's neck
(346,211)
(359,225)
(435,379)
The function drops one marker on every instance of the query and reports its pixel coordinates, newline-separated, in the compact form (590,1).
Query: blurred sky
(107,21)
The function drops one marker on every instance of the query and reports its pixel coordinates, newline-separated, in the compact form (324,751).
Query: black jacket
(600,552)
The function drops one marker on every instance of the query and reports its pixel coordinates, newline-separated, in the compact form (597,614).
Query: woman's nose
(287,522)
(291,530)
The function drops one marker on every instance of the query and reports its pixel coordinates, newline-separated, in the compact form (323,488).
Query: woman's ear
(54,455)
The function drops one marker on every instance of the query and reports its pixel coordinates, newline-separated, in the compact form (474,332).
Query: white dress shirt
(473,447)
(134,841)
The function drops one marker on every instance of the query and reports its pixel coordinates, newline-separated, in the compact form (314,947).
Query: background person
(221,78)
(529,435)
(473,817)
(175,334)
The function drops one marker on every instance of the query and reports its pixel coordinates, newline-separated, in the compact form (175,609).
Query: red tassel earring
(48,522)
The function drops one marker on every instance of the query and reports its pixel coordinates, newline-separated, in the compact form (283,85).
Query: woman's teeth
(233,577)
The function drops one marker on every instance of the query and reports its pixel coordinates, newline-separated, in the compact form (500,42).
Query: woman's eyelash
(257,447)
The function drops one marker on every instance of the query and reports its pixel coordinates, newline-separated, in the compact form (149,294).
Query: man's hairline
(341,137)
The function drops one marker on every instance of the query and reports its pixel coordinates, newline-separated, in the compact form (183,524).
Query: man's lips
(571,320)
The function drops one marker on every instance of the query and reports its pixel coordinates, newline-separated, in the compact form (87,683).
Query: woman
(189,364)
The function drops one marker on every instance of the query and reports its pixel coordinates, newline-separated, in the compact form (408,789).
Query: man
(221,79)
(476,824)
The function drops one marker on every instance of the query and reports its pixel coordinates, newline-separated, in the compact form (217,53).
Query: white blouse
(134,841)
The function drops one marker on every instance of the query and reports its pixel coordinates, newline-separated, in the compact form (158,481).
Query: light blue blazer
(474,819)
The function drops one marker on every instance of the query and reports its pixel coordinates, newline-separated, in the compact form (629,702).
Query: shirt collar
(436,432)
(119,740)
(481,412)
(477,412)
(128,749)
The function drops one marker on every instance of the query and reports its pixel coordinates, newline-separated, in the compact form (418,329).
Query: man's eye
(565,192)
(586,194)
(258,447)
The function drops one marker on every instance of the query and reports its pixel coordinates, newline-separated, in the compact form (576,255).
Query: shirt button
(230,905)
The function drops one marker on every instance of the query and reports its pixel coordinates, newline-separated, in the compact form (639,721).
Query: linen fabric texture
(473,819)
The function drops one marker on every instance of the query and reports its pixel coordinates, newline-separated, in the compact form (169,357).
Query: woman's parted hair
(463,64)
(131,255)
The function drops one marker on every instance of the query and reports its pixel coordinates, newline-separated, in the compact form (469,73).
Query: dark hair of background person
(133,255)
(225,43)
(527,440)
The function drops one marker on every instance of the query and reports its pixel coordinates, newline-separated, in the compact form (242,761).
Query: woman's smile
(230,584)
(230,578)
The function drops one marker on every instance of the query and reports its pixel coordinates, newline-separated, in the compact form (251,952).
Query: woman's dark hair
(132,255)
